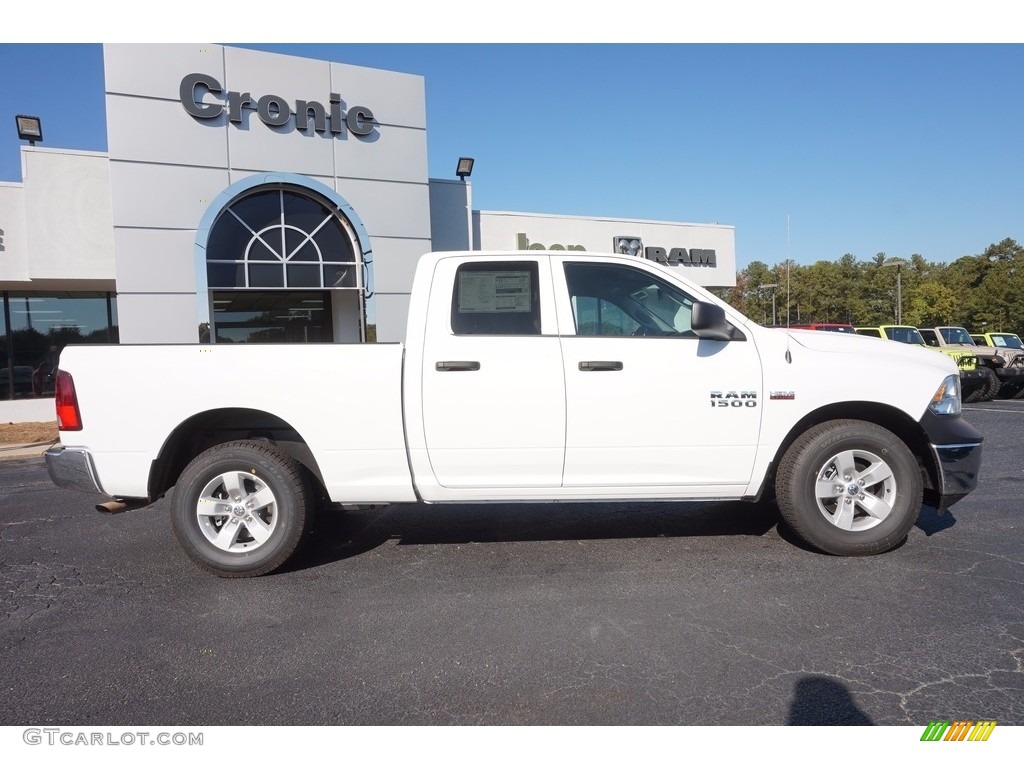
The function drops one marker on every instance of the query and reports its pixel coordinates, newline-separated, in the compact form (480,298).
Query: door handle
(600,365)
(457,365)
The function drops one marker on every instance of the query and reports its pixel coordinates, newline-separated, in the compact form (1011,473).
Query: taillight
(68,417)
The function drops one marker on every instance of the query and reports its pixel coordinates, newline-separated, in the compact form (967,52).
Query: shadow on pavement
(339,535)
(931,522)
(824,701)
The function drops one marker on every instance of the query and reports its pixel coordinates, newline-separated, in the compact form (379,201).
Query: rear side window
(499,298)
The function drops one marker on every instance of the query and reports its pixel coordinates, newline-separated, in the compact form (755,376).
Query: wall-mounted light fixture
(30,128)
(464,168)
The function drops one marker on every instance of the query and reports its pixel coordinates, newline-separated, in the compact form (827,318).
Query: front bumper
(72,468)
(956,452)
(1011,374)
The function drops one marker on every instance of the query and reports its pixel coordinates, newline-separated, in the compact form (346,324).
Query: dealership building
(254,197)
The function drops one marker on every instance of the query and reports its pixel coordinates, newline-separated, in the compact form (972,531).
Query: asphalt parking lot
(708,614)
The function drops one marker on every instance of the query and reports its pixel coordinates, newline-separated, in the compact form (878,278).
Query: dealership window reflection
(37,326)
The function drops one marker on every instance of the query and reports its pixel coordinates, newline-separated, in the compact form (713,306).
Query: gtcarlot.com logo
(67,738)
(958,730)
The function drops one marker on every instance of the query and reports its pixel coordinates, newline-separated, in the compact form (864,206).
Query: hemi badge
(782,396)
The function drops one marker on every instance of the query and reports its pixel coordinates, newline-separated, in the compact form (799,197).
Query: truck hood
(893,353)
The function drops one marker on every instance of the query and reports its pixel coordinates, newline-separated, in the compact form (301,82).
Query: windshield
(905,334)
(956,336)
(1006,340)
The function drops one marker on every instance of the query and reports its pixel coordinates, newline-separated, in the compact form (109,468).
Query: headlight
(946,400)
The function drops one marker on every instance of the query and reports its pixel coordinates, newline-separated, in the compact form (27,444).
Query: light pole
(898,263)
(773,286)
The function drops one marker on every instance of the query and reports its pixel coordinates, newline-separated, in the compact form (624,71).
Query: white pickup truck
(525,376)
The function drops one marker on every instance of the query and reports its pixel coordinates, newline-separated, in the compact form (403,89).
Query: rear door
(493,394)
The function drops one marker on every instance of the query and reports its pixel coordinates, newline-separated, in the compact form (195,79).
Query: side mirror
(708,322)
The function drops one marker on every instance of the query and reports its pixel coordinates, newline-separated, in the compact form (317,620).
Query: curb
(23,450)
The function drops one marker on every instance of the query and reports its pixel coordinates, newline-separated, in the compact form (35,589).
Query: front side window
(496,298)
(613,300)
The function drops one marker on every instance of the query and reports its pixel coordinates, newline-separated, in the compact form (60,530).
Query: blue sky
(864,148)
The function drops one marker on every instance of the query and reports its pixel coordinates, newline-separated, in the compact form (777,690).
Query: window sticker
(481,292)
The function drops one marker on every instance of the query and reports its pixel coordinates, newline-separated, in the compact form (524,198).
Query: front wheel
(849,488)
(241,508)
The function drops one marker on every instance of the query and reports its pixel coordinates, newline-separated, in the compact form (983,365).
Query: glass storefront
(37,325)
(272,317)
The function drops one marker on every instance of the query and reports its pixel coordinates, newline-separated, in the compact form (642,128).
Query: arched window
(282,237)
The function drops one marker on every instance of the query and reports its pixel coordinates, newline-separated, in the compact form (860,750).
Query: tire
(993,386)
(1008,391)
(258,530)
(849,488)
(977,392)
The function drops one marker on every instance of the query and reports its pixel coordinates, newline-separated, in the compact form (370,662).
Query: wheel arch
(209,428)
(888,417)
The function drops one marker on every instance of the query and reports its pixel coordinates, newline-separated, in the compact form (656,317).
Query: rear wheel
(849,488)
(241,508)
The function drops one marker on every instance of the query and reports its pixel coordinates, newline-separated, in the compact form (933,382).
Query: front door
(648,403)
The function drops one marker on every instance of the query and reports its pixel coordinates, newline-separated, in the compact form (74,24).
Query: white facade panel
(13,244)
(258,147)
(396,98)
(389,209)
(155,131)
(163,196)
(273,74)
(511,231)
(392,315)
(148,259)
(394,263)
(157,318)
(68,215)
(155,70)
(395,154)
